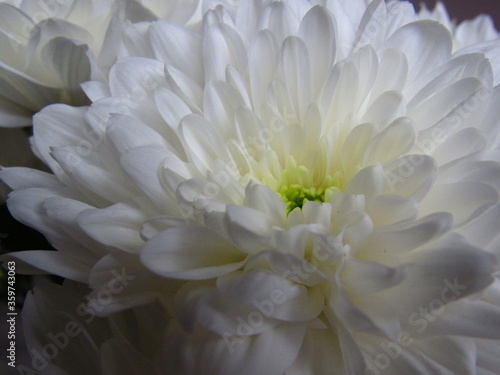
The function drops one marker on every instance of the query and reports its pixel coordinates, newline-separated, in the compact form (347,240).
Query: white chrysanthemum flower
(309,189)
(48,48)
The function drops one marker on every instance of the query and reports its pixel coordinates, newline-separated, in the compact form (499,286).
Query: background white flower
(48,48)
(276,176)
(63,338)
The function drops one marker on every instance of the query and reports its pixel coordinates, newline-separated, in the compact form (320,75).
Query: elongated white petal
(52,262)
(117,226)
(176,253)
(431,45)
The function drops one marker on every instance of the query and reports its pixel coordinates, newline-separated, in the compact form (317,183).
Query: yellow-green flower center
(300,185)
(296,196)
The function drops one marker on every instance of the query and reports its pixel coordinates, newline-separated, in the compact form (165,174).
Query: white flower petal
(222,46)
(487,356)
(385,109)
(391,209)
(202,141)
(370,181)
(279,18)
(458,316)
(263,62)
(289,266)
(355,145)
(351,353)
(247,228)
(320,353)
(143,165)
(135,37)
(405,237)
(317,29)
(184,87)
(445,356)
(460,145)
(440,103)
(179,47)
(392,142)
(63,213)
(135,77)
(15,21)
(179,253)
(95,90)
(97,183)
(26,91)
(296,69)
(71,62)
(52,262)
(263,199)
(370,29)
(27,206)
(453,270)
(53,131)
(475,197)
(411,176)
(219,313)
(369,277)
(126,133)
(117,226)
(220,102)
(483,230)
(19,178)
(392,72)
(274,296)
(171,107)
(431,45)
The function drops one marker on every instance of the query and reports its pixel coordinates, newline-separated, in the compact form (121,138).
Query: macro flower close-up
(288,188)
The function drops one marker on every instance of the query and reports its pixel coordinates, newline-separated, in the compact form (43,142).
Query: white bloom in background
(309,189)
(48,48)
(62,338)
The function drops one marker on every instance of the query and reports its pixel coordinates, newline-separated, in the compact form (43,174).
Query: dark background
(466,9)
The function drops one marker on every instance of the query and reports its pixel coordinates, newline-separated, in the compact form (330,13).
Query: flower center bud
(296,196)
(300,184)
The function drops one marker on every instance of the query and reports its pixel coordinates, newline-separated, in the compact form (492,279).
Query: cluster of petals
(183,170)
(50,47)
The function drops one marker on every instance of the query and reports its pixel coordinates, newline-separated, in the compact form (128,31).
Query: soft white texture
(48,48)
(174,173)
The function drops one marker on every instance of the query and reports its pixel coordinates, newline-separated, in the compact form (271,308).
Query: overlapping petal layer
(50,47)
